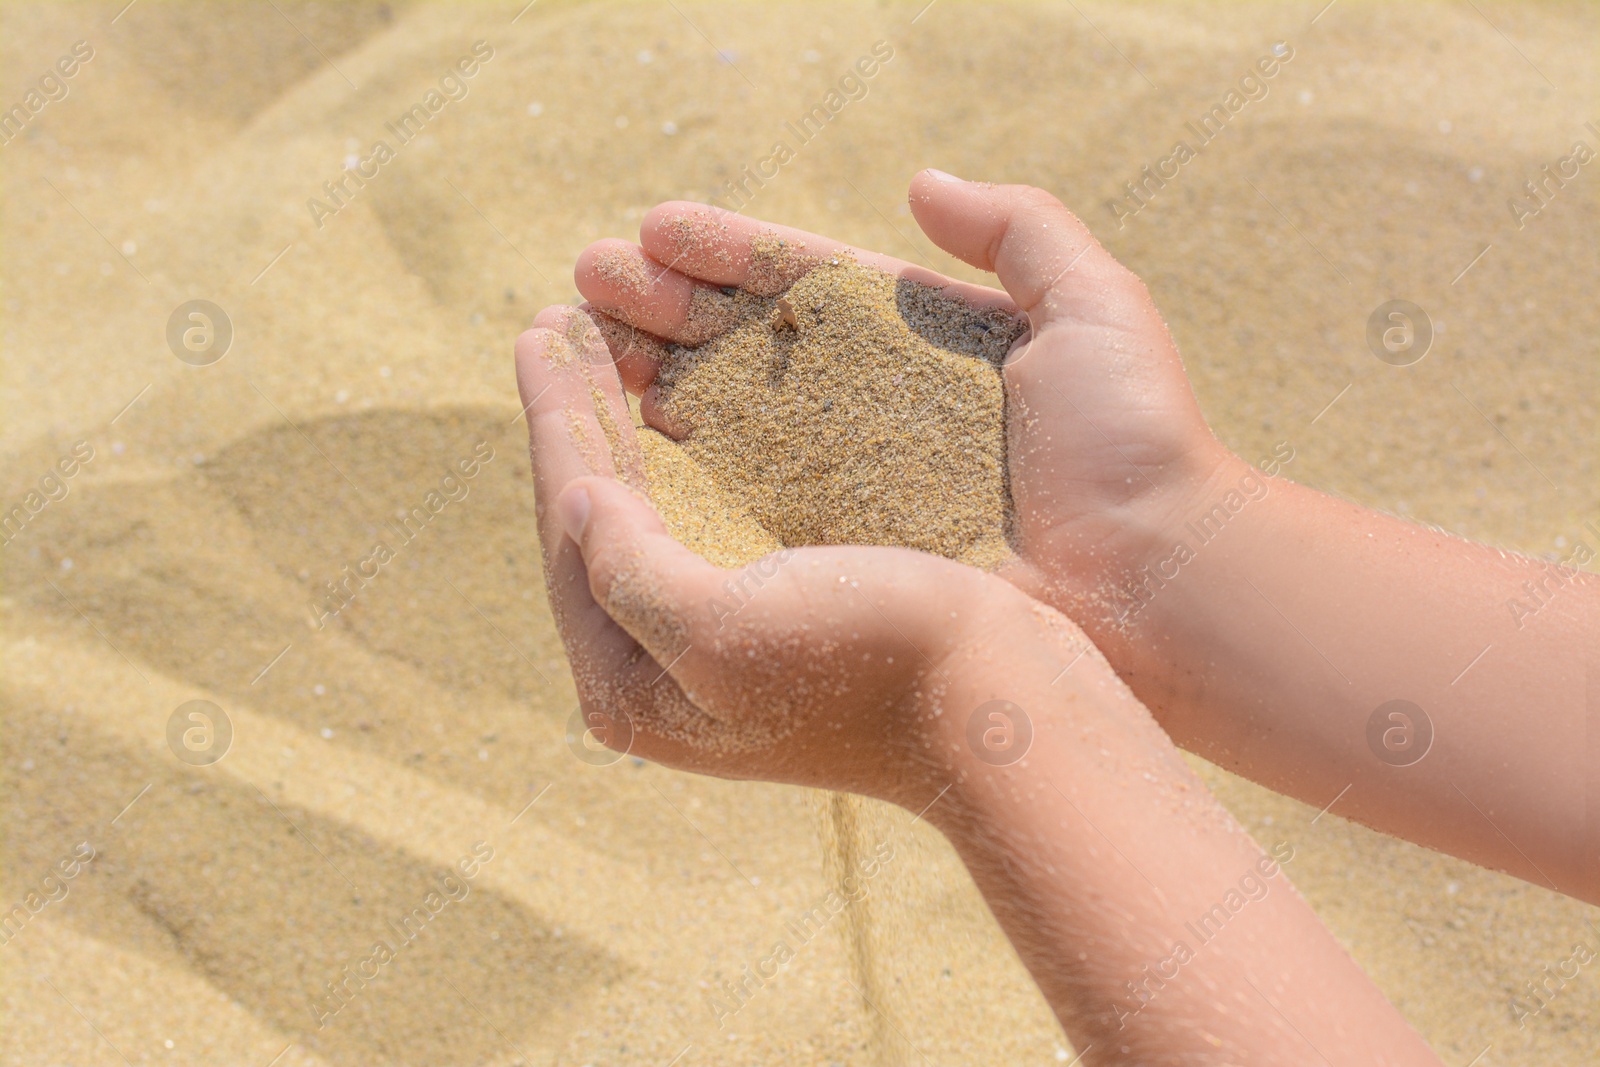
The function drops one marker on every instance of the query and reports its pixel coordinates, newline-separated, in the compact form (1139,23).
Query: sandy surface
(876,418)
(188,558)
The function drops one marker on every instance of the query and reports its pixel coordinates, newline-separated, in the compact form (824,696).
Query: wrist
(1020,677)
(1118,593)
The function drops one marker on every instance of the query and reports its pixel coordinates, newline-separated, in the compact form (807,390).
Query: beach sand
(369,368)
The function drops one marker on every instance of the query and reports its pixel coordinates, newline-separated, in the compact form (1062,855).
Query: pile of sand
(856,408)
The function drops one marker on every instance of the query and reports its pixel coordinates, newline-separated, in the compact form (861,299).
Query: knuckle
(1032,198)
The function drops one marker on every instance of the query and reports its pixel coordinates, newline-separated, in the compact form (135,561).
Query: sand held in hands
(857,408)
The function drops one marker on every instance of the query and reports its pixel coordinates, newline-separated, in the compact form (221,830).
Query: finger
(654,587)
(664,597)
(723,248)
(560,448)
(558,374)
(1044,255)
(1104,356)
(672,601)
(639,708)
(563,441)
(654,412)
(619,279)
(578,421)
(676,287)
(553,398)
(629,654)
(622,689)
(638,355)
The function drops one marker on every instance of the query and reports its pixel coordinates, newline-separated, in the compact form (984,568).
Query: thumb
(1043,254)
(652,586)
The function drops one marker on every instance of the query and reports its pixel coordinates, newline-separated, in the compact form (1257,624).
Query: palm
(1103,429)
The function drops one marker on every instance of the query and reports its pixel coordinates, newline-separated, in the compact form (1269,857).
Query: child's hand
(1107,445)
(827,667)
(867,669)
(1325,681)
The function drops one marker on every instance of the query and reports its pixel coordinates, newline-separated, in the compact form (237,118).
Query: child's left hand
(836,670)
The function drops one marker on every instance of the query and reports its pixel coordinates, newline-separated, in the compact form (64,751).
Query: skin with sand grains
(1098,499)
(854,669)
(1081,520)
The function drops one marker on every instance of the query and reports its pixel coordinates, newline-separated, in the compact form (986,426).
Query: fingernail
(940,175)
(572,507)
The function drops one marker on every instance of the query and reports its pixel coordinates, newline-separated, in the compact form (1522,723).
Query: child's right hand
(1107,446)
(1325,681)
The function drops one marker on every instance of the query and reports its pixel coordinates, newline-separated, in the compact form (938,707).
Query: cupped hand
(1106,445)
(827,667)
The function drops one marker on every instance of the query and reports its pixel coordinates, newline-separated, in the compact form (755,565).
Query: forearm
(1156,928)
(1271,649)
